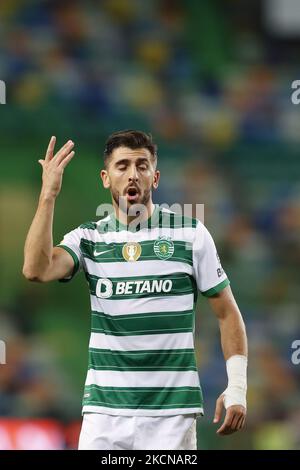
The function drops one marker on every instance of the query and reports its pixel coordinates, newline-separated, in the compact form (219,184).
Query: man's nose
(133,174)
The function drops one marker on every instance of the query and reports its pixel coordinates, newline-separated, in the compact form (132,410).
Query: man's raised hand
(53,167)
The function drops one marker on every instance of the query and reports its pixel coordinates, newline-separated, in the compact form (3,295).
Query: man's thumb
(41,162)
(218,411)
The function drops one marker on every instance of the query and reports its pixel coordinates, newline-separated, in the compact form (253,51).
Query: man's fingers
(238,423)
(219,408)
(241,416)
(234,420)
(66,160)
(241,422)
(226,423)
(226,426)
(63,152)
(225,430)
(50,149)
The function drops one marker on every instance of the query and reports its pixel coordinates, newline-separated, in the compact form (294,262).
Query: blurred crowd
(213,86)
(199,71)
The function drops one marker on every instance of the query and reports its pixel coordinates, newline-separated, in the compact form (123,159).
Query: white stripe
(172,303)
(89,233)
(106,219)
(142,342)
(111,378)
(145,268)
(140,412)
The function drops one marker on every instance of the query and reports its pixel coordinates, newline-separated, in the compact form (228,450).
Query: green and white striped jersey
(143,284)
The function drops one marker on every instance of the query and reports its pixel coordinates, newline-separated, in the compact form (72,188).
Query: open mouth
(132,193)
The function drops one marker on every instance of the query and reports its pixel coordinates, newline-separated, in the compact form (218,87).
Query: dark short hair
(132,139)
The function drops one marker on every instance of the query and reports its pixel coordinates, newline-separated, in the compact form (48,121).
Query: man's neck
(127,219)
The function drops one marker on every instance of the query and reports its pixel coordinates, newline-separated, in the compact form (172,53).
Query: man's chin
(126,201)
(135,208)
(131,206)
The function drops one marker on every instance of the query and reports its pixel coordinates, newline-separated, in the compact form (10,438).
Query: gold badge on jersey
(131,251)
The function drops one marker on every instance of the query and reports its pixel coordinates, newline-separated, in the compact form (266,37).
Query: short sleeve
(209,274)
(71,243)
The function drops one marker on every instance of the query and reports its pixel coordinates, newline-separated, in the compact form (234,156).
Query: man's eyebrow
(123,161)
(142,160)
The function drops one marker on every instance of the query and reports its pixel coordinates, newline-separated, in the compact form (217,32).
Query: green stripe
(75,259)
(216,289)
(181,284)
(143,398)
(89,225)
(143,324)
(166,360)
(182,251)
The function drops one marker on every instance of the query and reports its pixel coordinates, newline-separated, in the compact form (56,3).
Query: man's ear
(105,179)
(156,179)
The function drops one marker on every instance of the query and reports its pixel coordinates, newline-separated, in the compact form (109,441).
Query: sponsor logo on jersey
(105,288)
(131,251)
(163,248)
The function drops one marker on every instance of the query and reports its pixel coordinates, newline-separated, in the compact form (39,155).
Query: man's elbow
(31,276)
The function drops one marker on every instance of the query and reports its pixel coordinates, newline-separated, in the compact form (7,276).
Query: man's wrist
(235,393)
(47,196)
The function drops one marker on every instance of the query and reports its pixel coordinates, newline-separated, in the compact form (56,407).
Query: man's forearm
(39,242)
(234,345)
(235,350)
(233,335)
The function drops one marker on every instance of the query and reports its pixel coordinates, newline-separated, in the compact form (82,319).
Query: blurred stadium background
(212,81)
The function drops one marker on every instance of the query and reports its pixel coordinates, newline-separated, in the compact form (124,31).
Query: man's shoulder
(95,224)
(90,225)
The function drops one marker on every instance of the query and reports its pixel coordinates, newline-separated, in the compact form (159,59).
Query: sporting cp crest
(131,251)
(163,248)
